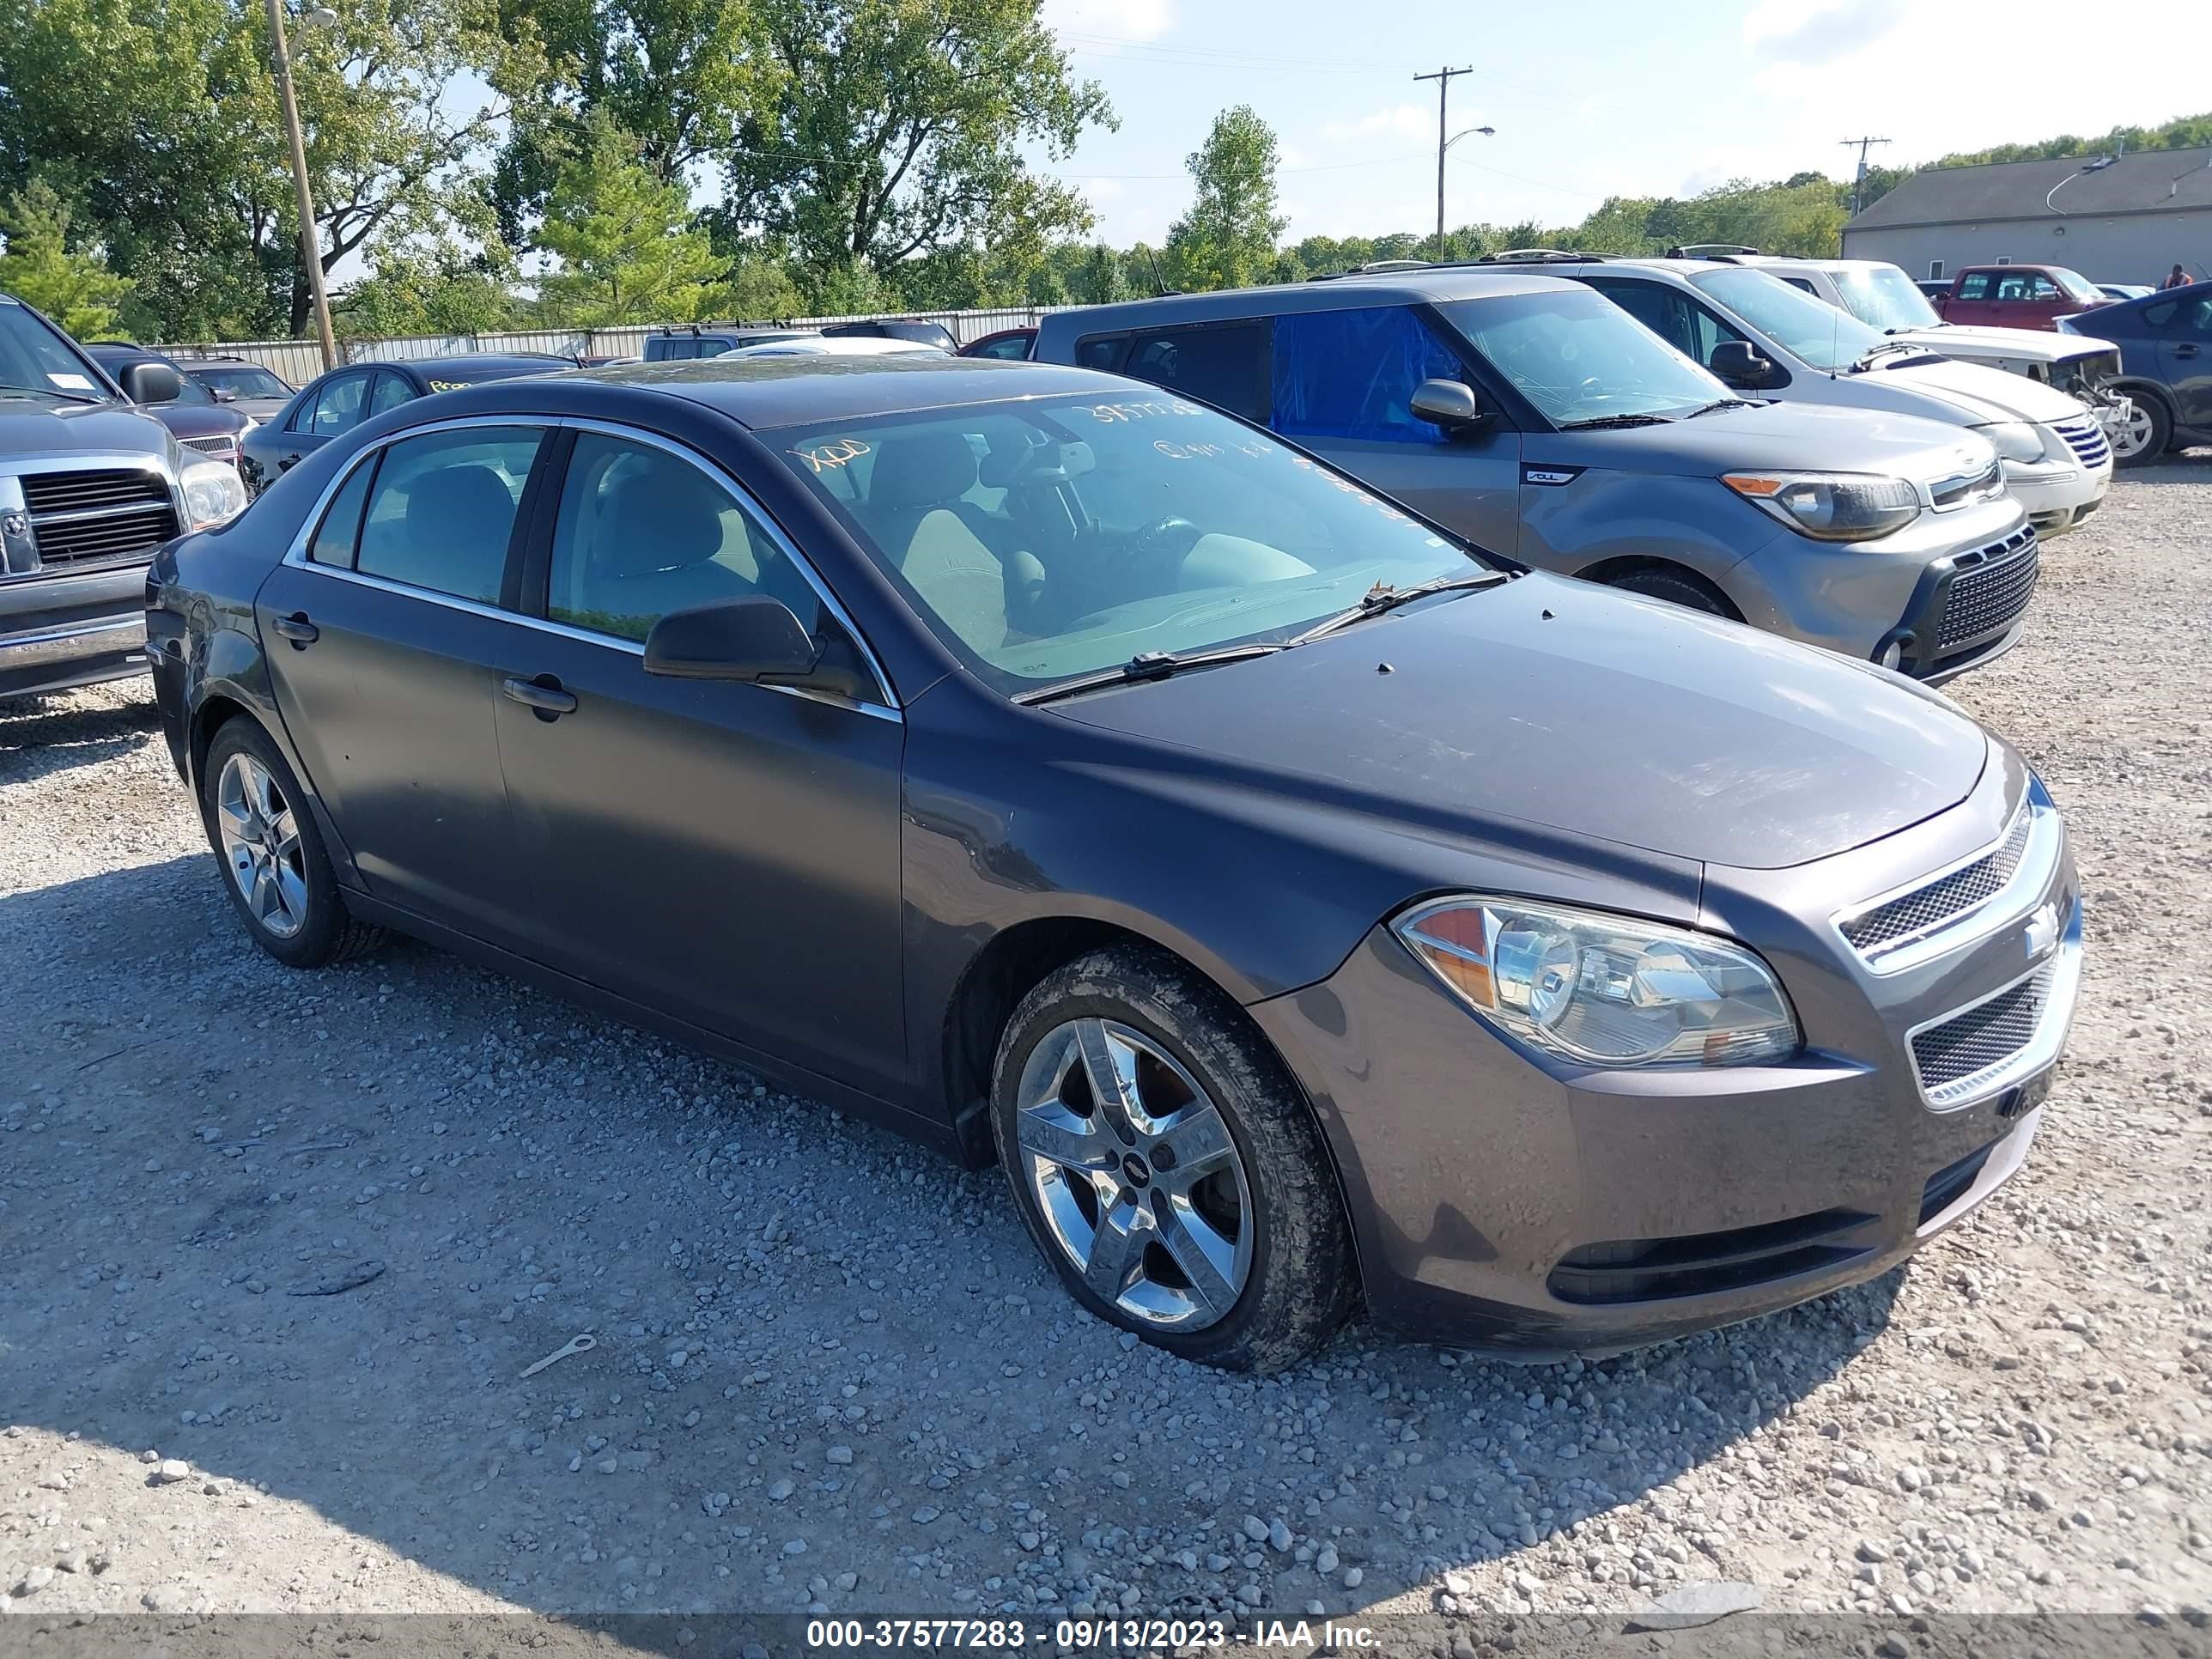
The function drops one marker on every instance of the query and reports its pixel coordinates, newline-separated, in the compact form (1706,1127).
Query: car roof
(471,366)
(115,351)
(1435,285)
(765,392)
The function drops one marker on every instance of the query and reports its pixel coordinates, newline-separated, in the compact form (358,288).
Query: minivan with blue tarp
(1537,418)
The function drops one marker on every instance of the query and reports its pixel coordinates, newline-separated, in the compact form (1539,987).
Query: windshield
(1054,537)
(34,358)
(1812,330)
(1884,297)
(1577,356)
(245,382)
(2077,286)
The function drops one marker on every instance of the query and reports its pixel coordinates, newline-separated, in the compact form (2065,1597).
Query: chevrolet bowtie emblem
(2042,932)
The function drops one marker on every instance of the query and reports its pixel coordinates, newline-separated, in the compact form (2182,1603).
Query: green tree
(627,249)
(39,267)
(677,75)
(438,287)
(894,129)
(156,120)
(1227,239)
(1099,280)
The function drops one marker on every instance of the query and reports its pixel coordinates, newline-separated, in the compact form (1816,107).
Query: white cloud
(1125,19)
(1812,32)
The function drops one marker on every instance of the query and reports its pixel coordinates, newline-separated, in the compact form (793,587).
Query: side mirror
(1736,363)
(223,394)
(151,383)
(754,639)
(1450,404)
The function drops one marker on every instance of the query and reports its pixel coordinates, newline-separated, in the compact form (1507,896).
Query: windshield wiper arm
(1597,422)
(1866,360)
(1719,403)
(1382,597)
(1146,665)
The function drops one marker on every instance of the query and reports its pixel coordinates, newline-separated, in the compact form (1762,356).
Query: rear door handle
(297,628)
(549,701)
(2184,351)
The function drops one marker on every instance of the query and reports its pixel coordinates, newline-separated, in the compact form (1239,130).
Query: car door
(340,403)
(722,852)
(1343,387)
(2185,357)
(383,626)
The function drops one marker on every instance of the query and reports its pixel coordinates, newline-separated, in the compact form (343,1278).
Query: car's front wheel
(1168,1166)
(275,869)
(2144,435)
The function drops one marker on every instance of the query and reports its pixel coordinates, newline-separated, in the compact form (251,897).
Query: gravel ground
(831,1371)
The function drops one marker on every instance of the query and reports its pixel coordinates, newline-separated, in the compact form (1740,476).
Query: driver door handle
(550,701)
(297,628)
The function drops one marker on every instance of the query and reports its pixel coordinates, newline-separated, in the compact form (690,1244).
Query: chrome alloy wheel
(261,845)
(1135,1174)
(2134,433)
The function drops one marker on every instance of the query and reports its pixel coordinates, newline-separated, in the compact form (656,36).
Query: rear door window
(339,404)
(443,508)
(1101,351)
(390,391)
(1352,373)
(335,538)
(1226,366)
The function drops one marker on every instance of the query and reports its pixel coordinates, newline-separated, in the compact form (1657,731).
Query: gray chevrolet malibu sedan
(1302,907)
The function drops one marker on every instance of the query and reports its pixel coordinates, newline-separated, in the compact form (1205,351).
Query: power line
(1858,179)
(1443,77)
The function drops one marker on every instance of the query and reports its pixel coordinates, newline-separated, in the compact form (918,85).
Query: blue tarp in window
(1352,375)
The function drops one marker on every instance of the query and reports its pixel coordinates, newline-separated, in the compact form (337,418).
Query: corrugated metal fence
(300,361)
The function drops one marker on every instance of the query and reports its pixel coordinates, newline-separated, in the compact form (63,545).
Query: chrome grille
(91,516)
(1946,897)
(1989,590)
(2087,439)
(221,445)
(1982,1038)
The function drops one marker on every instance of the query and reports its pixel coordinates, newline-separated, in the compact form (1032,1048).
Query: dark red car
(2017,296)
(1014,344)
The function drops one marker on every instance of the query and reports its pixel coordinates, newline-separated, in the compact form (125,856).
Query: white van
(1760,335)
(1882,296)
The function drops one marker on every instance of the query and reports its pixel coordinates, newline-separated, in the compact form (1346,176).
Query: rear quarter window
(1225,365)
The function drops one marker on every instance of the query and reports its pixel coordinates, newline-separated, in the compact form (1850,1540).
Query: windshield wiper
(1719,403)
(1866,361)
(11,386)
(1382,597)
(1146,665)
(1601,421)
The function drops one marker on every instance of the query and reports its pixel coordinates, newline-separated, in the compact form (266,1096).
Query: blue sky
(1595,97)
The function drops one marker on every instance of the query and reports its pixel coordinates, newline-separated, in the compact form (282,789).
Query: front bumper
(2059,497)
(1505,1202)
(58,631)
(1916,601)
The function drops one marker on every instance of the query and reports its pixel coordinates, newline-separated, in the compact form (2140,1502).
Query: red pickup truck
(2017,296)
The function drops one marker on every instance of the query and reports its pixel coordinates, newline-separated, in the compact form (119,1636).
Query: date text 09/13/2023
(1134,1635)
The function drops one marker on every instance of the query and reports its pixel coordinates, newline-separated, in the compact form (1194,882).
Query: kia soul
(1535,417)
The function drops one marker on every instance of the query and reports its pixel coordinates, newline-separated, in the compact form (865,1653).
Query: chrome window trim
(2039,1052)
(296,554)
(2039,860)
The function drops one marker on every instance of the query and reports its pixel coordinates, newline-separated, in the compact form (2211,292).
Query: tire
(2151,435)
(1676,588)
(275,869)
(1219,1165)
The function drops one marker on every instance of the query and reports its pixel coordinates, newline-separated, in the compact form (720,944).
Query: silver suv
(1546,423)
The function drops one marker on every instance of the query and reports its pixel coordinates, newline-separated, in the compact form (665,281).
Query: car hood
(1974,393)
(261,409)
(1559,703)
(2031,345)
(1774,437)
(200,419)
(31,427)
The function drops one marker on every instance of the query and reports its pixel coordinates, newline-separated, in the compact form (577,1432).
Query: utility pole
(1443,77)
(1858,179)
(311,256)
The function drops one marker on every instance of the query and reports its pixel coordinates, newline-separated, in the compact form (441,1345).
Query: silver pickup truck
(89,486)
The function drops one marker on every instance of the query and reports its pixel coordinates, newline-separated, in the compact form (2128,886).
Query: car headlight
(2016,441)
(214,494)
(1831,506)
(1600,989)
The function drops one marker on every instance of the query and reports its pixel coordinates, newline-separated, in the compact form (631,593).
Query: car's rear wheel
(275,868)
(1675,587)
(1168,1166)
(2145,435)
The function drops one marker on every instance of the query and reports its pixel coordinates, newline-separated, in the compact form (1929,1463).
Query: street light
(311,255)
(1467,132)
